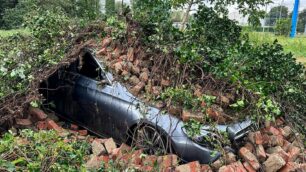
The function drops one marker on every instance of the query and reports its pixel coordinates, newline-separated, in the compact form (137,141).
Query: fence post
(295,14)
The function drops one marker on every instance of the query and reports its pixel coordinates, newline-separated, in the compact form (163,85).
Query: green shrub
(37,151)
(283,27)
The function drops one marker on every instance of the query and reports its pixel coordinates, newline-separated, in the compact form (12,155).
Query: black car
(84,93)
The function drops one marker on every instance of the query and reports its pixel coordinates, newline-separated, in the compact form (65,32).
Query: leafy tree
(4,5)
(87,10)
(246,7)
(110,7)
(276,13)
(302,21)
(283,27)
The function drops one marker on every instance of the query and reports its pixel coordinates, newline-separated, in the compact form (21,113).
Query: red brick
(106,42)
(258,138)
(289,167)
(248,156)
(175,110)
(167,161)
(216,114)
(109,144)
(276,140)
(51,125)
(150,160)
(123,149)
(273,131)
(260,152)
(248,167)
(23,122)
(206,168)
(187,115)
(279,121)
(41,125)
(136,157)
(102,51)
(233,167)
(83,132)
(37,114)
(249,146)
(293,153)
(190,167)
(165,82)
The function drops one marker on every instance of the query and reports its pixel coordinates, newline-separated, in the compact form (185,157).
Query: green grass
(295,45)
(7,33)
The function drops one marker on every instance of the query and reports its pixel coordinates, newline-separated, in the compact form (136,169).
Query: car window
(88,67)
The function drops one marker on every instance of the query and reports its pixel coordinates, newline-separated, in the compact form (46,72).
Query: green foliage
(208,36)
(301,22)
(44,149)
(83,10)
(5,5)
(45,46)
(276,13)
(185,98)
(283,27)
(110,7)
(193,128)
(245,7)
(118,27)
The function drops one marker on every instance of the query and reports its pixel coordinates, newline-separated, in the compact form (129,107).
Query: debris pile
(148,75)
(273,148)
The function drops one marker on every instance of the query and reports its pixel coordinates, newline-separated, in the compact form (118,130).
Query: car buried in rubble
(86,94)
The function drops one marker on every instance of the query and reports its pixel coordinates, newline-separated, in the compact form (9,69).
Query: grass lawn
(295,45)
(7,33)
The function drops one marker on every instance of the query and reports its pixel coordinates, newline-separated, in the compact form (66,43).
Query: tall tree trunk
(186,15)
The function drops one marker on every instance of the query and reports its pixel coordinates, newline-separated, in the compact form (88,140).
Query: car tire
(150,140)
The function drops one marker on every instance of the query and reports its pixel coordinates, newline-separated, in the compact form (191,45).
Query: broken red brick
(188,115)
(293,153)
(106,42)
(273,131)
(289,167)
(248,167)
(165,82)
(144,76)
(37,114)
(190,167)
(41,125)
(175,110)
(51,125)
(250,147)
(258,138)
(249,157)
(168,161)
(260,152)
(206,168)
(233,167)
(136,157)
(83,132)
(150,160)
(23,122)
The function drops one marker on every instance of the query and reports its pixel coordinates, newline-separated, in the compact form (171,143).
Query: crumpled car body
(86,94)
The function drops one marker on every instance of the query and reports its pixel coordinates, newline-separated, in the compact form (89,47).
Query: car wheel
(150,141)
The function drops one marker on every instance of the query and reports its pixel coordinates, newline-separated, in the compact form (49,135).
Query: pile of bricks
(105,150)
(273,148)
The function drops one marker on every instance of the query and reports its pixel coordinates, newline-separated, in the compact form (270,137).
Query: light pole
(295,14)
